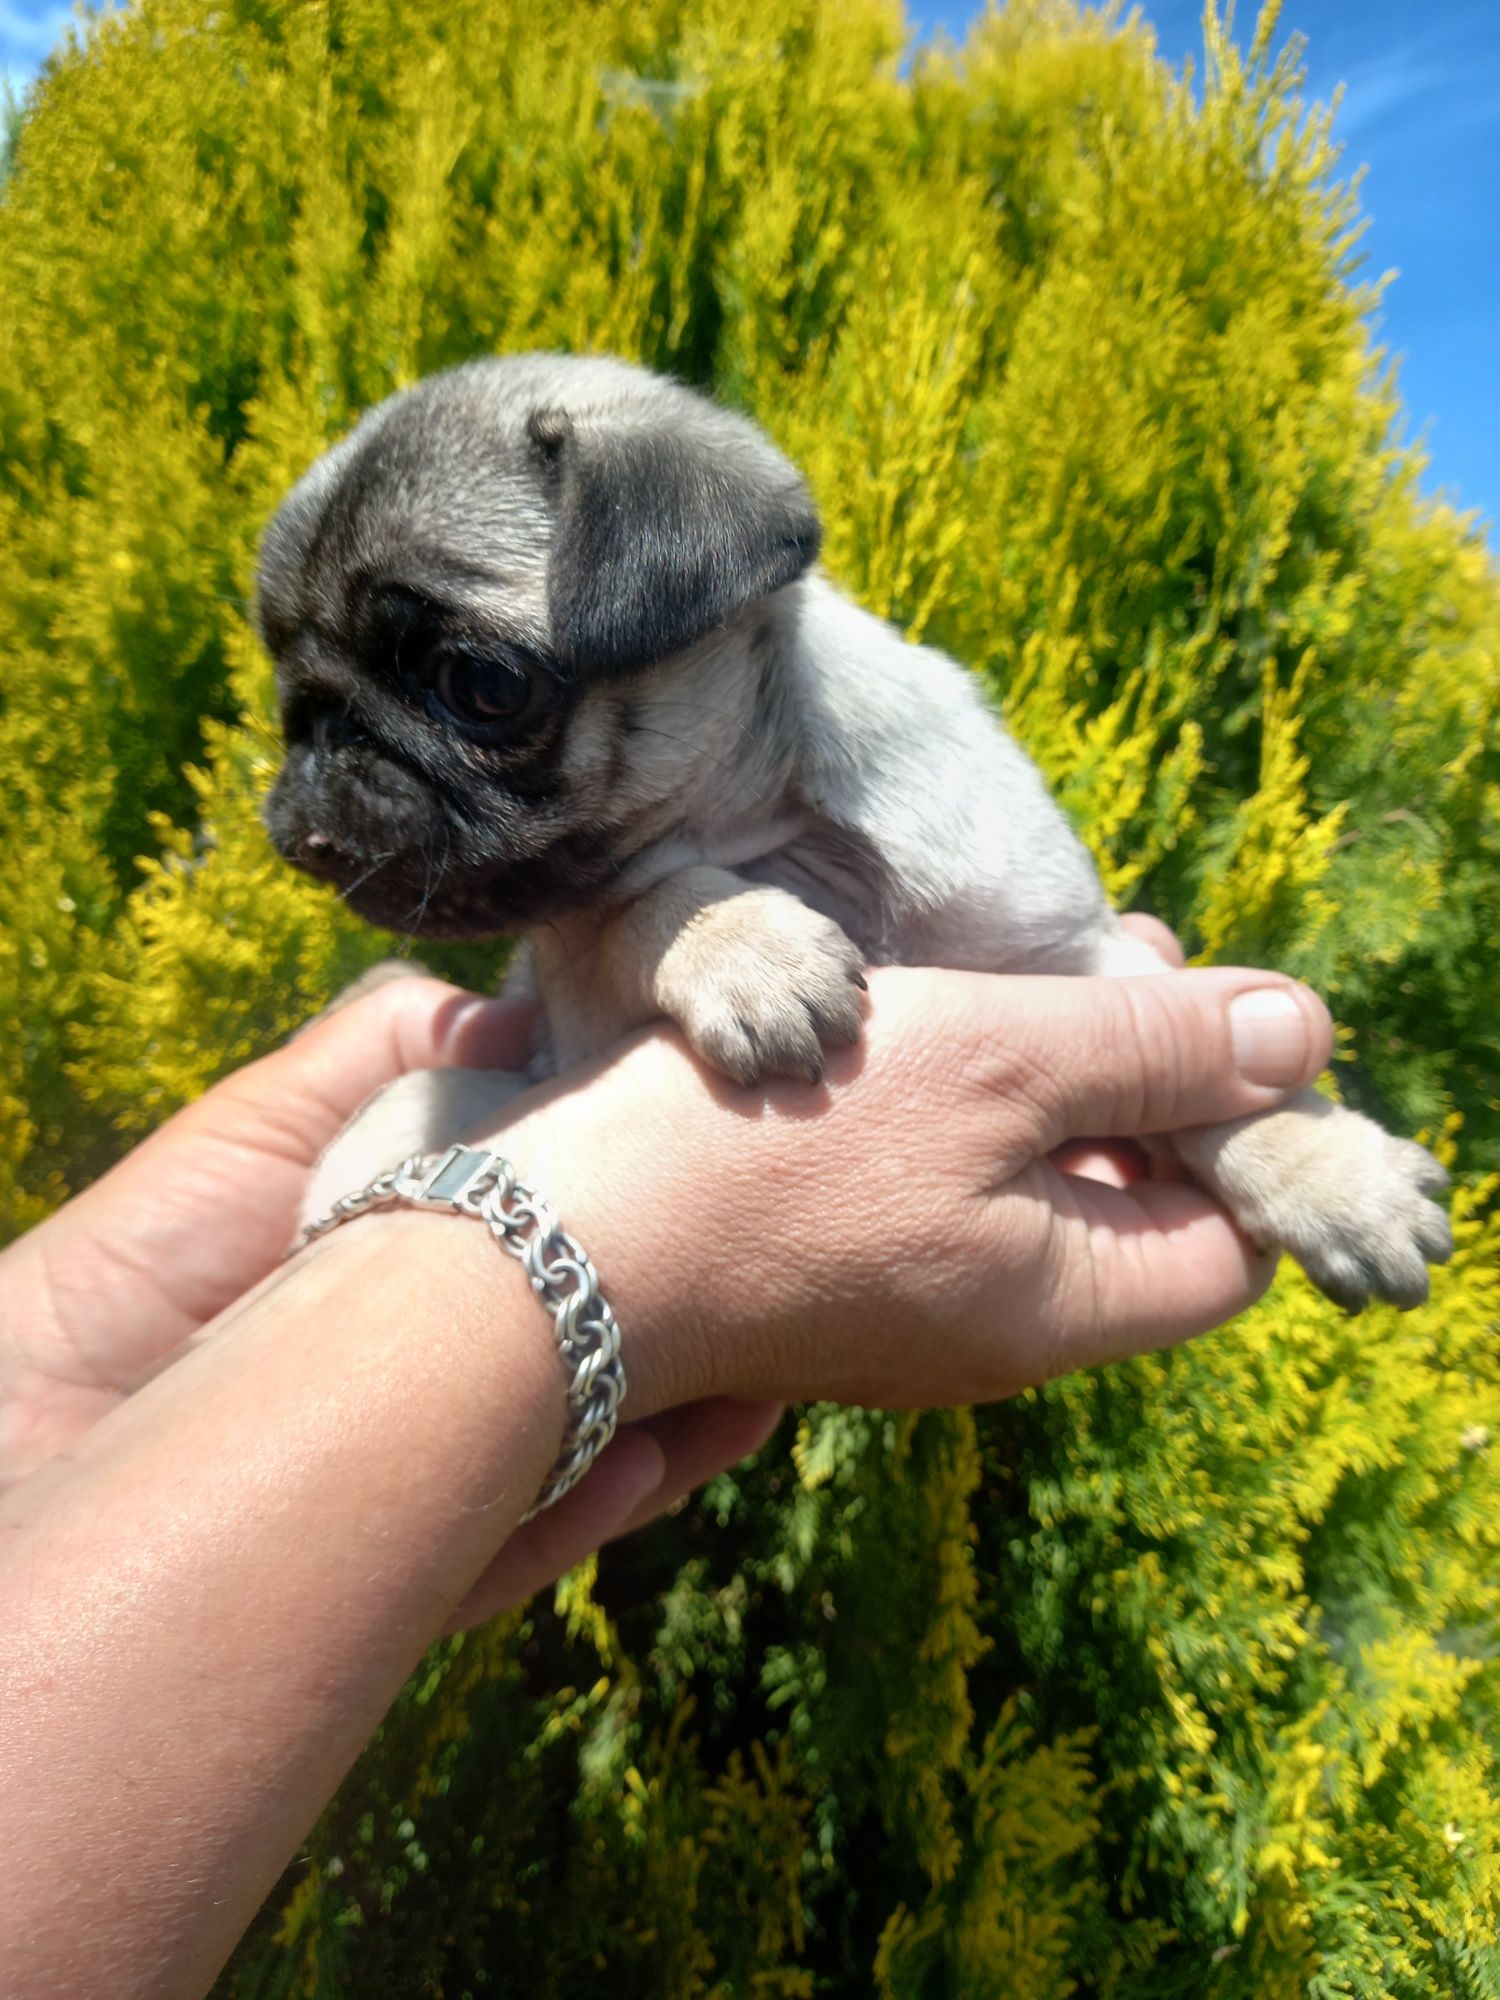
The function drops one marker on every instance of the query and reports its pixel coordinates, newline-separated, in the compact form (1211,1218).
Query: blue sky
(28,28)
(1421,111)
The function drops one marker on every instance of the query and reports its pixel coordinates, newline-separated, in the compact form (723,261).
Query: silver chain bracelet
(467,1181)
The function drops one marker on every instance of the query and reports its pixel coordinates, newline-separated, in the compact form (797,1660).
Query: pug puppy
(554,659)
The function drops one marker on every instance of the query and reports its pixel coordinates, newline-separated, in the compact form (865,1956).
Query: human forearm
(210,1605)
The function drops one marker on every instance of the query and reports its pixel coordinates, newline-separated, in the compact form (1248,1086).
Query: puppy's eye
(483,695)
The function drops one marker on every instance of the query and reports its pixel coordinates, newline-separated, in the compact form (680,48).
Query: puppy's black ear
(661,536)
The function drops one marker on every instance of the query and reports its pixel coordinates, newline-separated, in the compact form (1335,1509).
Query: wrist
(622,1161)
(481,1185)
(454,1337)
(215,1597)
(633,1267)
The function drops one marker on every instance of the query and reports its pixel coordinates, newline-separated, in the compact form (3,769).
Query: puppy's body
(554,659)
(929,845)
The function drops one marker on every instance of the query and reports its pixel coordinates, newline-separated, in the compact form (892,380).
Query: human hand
(1117,1163)
(200,1213)
(902,1234)
(100,1293)
(254,1549)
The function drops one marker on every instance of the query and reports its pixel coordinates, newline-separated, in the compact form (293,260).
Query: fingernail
(466,1012)
(642,1470)
(489,1033)
(1268,1036)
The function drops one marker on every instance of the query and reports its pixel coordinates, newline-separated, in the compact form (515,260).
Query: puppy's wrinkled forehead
(583,505)
(439,489)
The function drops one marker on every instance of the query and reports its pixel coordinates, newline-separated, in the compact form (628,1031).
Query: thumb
(341,1059)
(1116,1058)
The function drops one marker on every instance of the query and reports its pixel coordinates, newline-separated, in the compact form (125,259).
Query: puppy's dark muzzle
(390,873)
(305,836)
(391,889)
(319,854)
(357,820)
(337,810)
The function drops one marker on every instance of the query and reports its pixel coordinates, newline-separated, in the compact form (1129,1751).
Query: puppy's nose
(320,854)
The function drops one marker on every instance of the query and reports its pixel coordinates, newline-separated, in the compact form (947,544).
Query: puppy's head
(478,601)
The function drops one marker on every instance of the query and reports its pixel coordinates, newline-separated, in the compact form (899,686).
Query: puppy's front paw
(761,985)
(1350,1202)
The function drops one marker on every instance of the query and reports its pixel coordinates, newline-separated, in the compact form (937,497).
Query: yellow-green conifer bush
(1181,1678)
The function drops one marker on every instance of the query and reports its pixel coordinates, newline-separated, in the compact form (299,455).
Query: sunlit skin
(212,1589)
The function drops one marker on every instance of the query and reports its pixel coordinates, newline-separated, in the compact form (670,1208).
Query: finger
(1149,1266)
(1152,931)
(702,1440)
(334,1066)
(204,1208)
(631,1467)
(1119,1165)
(1118,1058)
(645,1471)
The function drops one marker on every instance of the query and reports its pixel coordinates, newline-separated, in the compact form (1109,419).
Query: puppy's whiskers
(565,944)
(432,881)
(262,730)
(686,742)
(702,708)
(374,869)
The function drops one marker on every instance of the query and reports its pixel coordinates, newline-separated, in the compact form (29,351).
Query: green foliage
(10,125)
(1177,1679)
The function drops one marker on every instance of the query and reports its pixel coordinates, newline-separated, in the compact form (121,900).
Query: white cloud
(1372,91)
(28,32)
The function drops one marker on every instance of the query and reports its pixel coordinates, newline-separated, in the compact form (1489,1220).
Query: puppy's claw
(1350,1203)
(1430,1175)
(774,992)
(1352,1281)
(733,1053)
(1383,1255)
